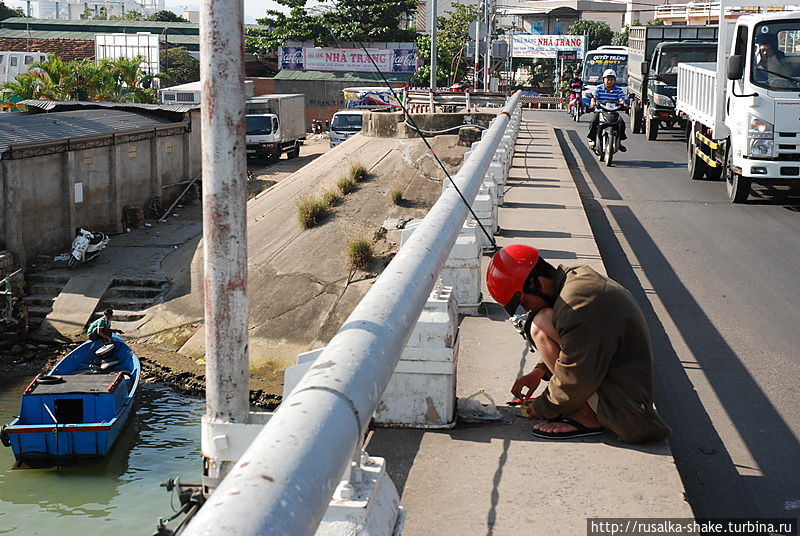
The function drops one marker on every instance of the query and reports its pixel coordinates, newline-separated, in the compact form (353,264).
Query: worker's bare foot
(585,416)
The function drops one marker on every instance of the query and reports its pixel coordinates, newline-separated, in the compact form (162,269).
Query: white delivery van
(275,124)
(344,124)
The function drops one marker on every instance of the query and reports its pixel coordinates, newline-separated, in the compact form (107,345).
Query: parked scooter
(608,141)
(86,246)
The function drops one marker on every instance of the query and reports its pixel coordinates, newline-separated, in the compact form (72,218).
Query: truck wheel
(697,166)
(714,173)
(636,119)
(738,187)
(650,126)
(294,152)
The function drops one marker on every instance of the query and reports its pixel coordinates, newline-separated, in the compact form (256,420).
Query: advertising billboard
(393,60)
(546,46)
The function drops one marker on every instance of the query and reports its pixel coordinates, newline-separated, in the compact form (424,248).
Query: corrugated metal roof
(341,76)
(19,128)
(48,105)
(175,39)
(90,22)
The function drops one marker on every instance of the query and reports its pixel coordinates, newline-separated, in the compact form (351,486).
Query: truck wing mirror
(644,68)
(735,67)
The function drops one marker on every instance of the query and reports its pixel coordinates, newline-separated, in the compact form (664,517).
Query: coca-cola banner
(395,60)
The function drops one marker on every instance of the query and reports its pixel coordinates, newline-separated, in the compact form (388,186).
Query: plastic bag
(471,409)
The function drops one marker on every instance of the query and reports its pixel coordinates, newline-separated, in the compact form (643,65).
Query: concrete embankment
(300,284)
(498,478)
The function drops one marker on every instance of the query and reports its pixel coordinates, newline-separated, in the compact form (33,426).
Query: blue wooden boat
(77,410)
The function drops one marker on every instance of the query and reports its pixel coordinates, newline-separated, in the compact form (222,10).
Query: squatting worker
(100,329)
(593,343)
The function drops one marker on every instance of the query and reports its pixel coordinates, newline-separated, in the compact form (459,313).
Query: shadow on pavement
(712,481)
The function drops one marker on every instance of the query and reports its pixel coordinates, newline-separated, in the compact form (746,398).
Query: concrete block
(365,505)
(293,374)
(499,173)
(421,392)
(462,270)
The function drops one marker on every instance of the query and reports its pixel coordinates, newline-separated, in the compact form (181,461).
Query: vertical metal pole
(488,39)
(224,229)
(433,45)
(477,65)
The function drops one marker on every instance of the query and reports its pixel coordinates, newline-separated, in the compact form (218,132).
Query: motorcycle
(86,246)
(608,141)
(576,104)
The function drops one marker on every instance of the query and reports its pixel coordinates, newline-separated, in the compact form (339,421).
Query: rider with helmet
(593,344)
(575,88)
(608,91)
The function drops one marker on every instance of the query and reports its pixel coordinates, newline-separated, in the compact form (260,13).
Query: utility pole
(486,40)
(477,64)
(224,230)
(433,44)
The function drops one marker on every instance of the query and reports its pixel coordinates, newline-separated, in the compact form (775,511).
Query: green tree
(598,33)
(179,67)
(166,15)
(331,22)
(451,39)
(620,39)
(24,86)
(656,22)
(8,12)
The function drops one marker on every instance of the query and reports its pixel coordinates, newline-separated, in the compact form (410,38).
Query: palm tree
(24,86)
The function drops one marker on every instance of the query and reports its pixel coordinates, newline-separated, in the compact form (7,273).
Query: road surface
(720,287)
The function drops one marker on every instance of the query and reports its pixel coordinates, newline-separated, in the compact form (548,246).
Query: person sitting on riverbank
(593,343)
(100,330)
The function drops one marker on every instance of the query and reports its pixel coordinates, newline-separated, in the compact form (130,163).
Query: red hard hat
(507,272)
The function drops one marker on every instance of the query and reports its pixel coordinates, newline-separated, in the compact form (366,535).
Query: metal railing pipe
(284,481)
(224,210)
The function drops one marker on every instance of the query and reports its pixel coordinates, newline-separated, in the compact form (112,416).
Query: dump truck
(653,56)
(276,124)
(743,111)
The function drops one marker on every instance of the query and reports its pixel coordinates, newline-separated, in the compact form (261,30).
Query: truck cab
(345,124)
(262,135)
(743,111)
(662,81)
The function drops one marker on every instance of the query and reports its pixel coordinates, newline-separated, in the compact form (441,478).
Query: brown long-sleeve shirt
(605,349)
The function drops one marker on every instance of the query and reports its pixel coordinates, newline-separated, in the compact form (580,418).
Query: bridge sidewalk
(498,479)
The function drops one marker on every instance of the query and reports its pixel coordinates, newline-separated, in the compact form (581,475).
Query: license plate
(250,151)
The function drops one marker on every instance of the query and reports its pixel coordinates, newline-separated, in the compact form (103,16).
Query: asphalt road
(720,287)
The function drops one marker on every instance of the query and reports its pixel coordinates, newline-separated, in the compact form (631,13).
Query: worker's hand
(529,381)
(530,412)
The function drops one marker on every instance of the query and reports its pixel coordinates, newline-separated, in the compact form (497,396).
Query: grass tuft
(396,195)
(359,252)
(346,184)
(332,198)
(311,211)
(357,172)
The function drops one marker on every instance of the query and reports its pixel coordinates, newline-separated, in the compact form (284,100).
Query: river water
(119,495)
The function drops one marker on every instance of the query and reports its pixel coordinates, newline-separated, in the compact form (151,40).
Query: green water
(119,495)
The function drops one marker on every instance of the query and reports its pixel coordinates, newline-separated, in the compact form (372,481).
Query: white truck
(743,112)
(276,124)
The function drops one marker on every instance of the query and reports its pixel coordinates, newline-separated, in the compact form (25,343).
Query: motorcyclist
(608,91)
(575,88)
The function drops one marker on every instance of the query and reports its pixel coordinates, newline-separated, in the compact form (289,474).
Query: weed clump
(357,172)
(397,196)
(332,198)
(359,252)
(346,184)
(311,211)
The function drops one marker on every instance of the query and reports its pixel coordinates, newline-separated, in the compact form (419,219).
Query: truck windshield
(346,122)
(669,57)
(597,62)
(776,55)
(259,125)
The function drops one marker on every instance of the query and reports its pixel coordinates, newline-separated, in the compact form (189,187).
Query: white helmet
(609,72)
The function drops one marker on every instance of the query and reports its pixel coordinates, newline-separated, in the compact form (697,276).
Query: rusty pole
(224,228)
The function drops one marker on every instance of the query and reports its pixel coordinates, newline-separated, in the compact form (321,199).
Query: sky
(253,9)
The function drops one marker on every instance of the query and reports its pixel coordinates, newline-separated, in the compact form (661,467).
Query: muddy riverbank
(181,373)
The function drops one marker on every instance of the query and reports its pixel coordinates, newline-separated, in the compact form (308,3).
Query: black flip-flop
(581,430)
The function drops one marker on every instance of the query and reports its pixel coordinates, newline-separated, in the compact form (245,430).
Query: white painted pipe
(285,480)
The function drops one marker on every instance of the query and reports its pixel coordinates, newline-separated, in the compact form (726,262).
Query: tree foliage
(179,67)
(8,12)
(109,80)
(165,15)
(598,33)
(451,39)
(620,39)
(332,21)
